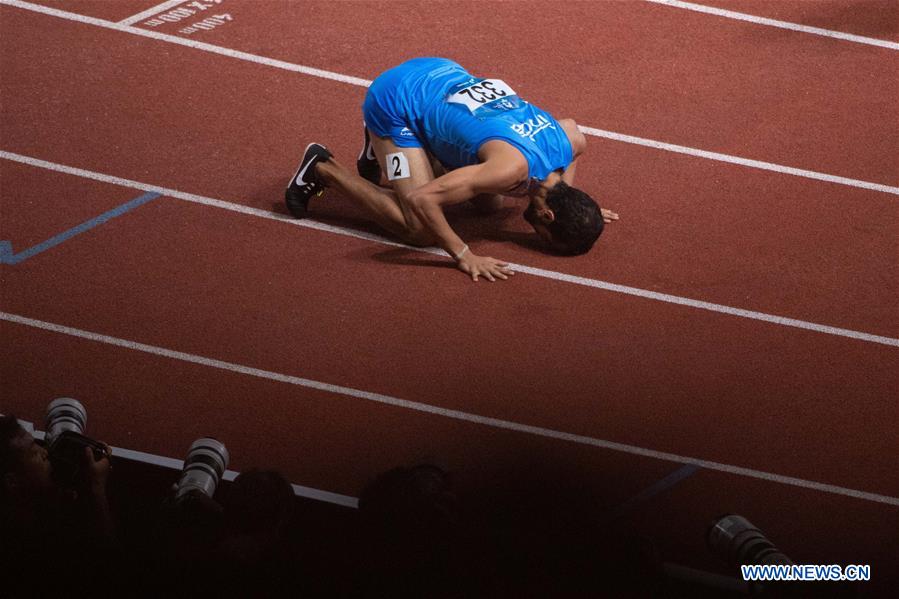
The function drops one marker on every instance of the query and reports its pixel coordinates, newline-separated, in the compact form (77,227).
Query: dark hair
(578,223)
(9,430)
(259,501)
(409,498)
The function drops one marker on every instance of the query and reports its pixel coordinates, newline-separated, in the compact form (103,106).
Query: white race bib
(481,93)
(397,166)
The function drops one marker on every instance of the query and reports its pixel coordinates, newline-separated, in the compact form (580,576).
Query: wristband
(458,256)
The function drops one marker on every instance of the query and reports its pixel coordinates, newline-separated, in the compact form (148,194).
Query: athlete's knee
(412,231)
(417,234)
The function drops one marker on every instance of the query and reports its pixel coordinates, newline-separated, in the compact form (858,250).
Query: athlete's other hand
(483,266)
(608,216)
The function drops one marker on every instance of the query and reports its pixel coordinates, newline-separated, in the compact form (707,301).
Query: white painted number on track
(186,11)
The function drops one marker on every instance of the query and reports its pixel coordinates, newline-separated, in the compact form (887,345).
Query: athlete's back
(453,113)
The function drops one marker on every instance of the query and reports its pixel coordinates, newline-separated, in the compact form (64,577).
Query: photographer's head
(260,501)
(410,500)
(24,464)
(52,537)
(259,510)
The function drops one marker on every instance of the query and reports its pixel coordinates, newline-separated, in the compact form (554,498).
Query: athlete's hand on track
(483,266)
(608,216)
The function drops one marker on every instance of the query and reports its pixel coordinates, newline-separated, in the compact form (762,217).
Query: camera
(65,439)
(736,541)
(207,460)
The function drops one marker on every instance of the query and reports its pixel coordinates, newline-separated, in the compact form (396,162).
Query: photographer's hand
(97,473)
(97,470)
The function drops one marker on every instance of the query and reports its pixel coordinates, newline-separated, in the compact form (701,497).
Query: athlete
(442,136)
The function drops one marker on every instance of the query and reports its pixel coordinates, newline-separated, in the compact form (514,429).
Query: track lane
(328,442)
(844,528)
(37,204)
(316,438)
(653,71)
(655,191)
(102,9)
(871,18)
(629,371)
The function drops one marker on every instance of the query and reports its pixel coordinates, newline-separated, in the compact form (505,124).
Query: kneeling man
(442,136)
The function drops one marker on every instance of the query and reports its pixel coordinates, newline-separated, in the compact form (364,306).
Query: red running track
(534,351)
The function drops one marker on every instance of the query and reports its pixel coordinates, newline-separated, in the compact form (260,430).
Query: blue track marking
(654,489)
(6,253)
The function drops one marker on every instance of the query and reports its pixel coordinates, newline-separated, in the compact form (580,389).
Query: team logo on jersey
(405,132)
(532,127)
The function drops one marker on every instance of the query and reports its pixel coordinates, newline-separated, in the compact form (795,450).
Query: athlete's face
(539,216)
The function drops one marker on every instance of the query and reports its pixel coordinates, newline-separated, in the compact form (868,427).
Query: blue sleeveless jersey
(436,104)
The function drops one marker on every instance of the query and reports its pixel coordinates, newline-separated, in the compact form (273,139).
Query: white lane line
(768,166)
(448,413)
(229,475)
(163,6)
(730,14)
(701,305)
(280,64)
(174,39)
(537,272)
(198,199)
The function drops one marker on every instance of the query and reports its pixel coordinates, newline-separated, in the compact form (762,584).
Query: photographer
(53,538)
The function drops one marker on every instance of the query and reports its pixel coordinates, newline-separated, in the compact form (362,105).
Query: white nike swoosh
(370,152)
(299,180)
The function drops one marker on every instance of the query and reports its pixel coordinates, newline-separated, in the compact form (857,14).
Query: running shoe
(367,164)
(304,183)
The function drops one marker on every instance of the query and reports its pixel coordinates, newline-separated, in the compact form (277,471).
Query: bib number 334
(481,93)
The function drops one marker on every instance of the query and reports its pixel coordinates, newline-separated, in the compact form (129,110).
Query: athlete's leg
(380,202)
(367,164)
(436,167)
(406,169)
(385,205)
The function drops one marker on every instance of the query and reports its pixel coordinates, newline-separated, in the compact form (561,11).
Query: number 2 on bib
(397,166)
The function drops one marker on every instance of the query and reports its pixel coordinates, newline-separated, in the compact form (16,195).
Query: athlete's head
(567,219)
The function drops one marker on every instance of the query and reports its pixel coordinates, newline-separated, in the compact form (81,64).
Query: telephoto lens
(66,421)
(736,541)
(206,462)
(65,414)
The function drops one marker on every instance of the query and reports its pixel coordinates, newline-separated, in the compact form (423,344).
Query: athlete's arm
(578,147)
(502,168)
